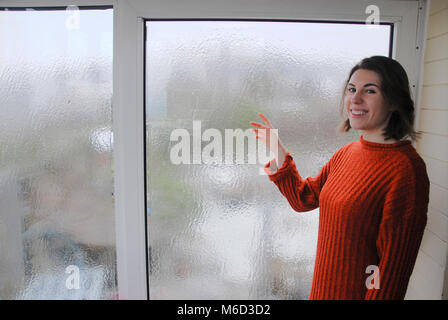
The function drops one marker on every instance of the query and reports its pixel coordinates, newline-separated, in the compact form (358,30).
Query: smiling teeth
(358,113)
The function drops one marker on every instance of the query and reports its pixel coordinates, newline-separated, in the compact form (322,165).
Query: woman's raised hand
(269,136)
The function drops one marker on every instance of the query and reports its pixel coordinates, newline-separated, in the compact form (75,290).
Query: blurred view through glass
(223,231)
(57,231)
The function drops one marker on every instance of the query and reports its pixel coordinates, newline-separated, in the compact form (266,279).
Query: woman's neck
(376,137)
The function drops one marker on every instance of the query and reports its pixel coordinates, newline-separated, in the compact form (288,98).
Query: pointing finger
(265,120)
(256,124)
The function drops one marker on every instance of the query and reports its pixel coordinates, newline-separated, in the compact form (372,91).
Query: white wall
(427,281)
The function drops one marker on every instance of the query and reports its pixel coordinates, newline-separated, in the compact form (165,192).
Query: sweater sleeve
(400,233)
(302,194)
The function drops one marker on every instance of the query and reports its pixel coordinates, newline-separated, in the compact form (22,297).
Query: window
(56,182)
(83,113)
(220,231)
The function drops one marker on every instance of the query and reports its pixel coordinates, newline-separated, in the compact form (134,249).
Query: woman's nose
(356,98)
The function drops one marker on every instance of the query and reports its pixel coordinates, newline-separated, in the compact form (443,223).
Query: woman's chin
(355,126)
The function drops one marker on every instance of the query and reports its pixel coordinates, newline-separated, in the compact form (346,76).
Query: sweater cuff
(288,164)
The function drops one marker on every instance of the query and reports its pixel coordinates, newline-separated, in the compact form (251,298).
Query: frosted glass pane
(223,231)
(57,232)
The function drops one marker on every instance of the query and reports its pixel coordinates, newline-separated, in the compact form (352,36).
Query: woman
(372,193)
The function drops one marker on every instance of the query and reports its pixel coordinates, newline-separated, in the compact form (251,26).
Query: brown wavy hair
(397,95)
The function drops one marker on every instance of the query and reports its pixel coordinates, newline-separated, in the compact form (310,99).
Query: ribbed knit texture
(373,201)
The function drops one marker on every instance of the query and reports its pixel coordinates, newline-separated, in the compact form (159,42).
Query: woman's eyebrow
(366,85)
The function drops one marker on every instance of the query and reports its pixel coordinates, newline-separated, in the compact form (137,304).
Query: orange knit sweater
(373,201)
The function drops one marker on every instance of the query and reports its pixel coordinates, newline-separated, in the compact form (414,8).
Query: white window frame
(408,16)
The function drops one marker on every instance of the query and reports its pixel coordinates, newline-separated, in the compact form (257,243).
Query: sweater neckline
(383,146)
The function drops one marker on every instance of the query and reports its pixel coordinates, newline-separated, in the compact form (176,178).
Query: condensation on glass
(57,231)
(223,231)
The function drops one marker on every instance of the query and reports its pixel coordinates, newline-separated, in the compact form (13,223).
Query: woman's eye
(351,89)
(371,91)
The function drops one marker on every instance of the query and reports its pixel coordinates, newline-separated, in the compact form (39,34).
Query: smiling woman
(365,105)
(377,100)
(373,193)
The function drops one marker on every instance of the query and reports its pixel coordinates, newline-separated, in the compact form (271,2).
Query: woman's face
(365,104)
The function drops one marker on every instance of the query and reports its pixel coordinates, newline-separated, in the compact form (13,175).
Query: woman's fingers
(262,126)
(266,134)
(260,131)
(259,127)
(256,124)
(265,120)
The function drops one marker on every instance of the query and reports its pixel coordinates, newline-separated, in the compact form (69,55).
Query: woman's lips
(358,113)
